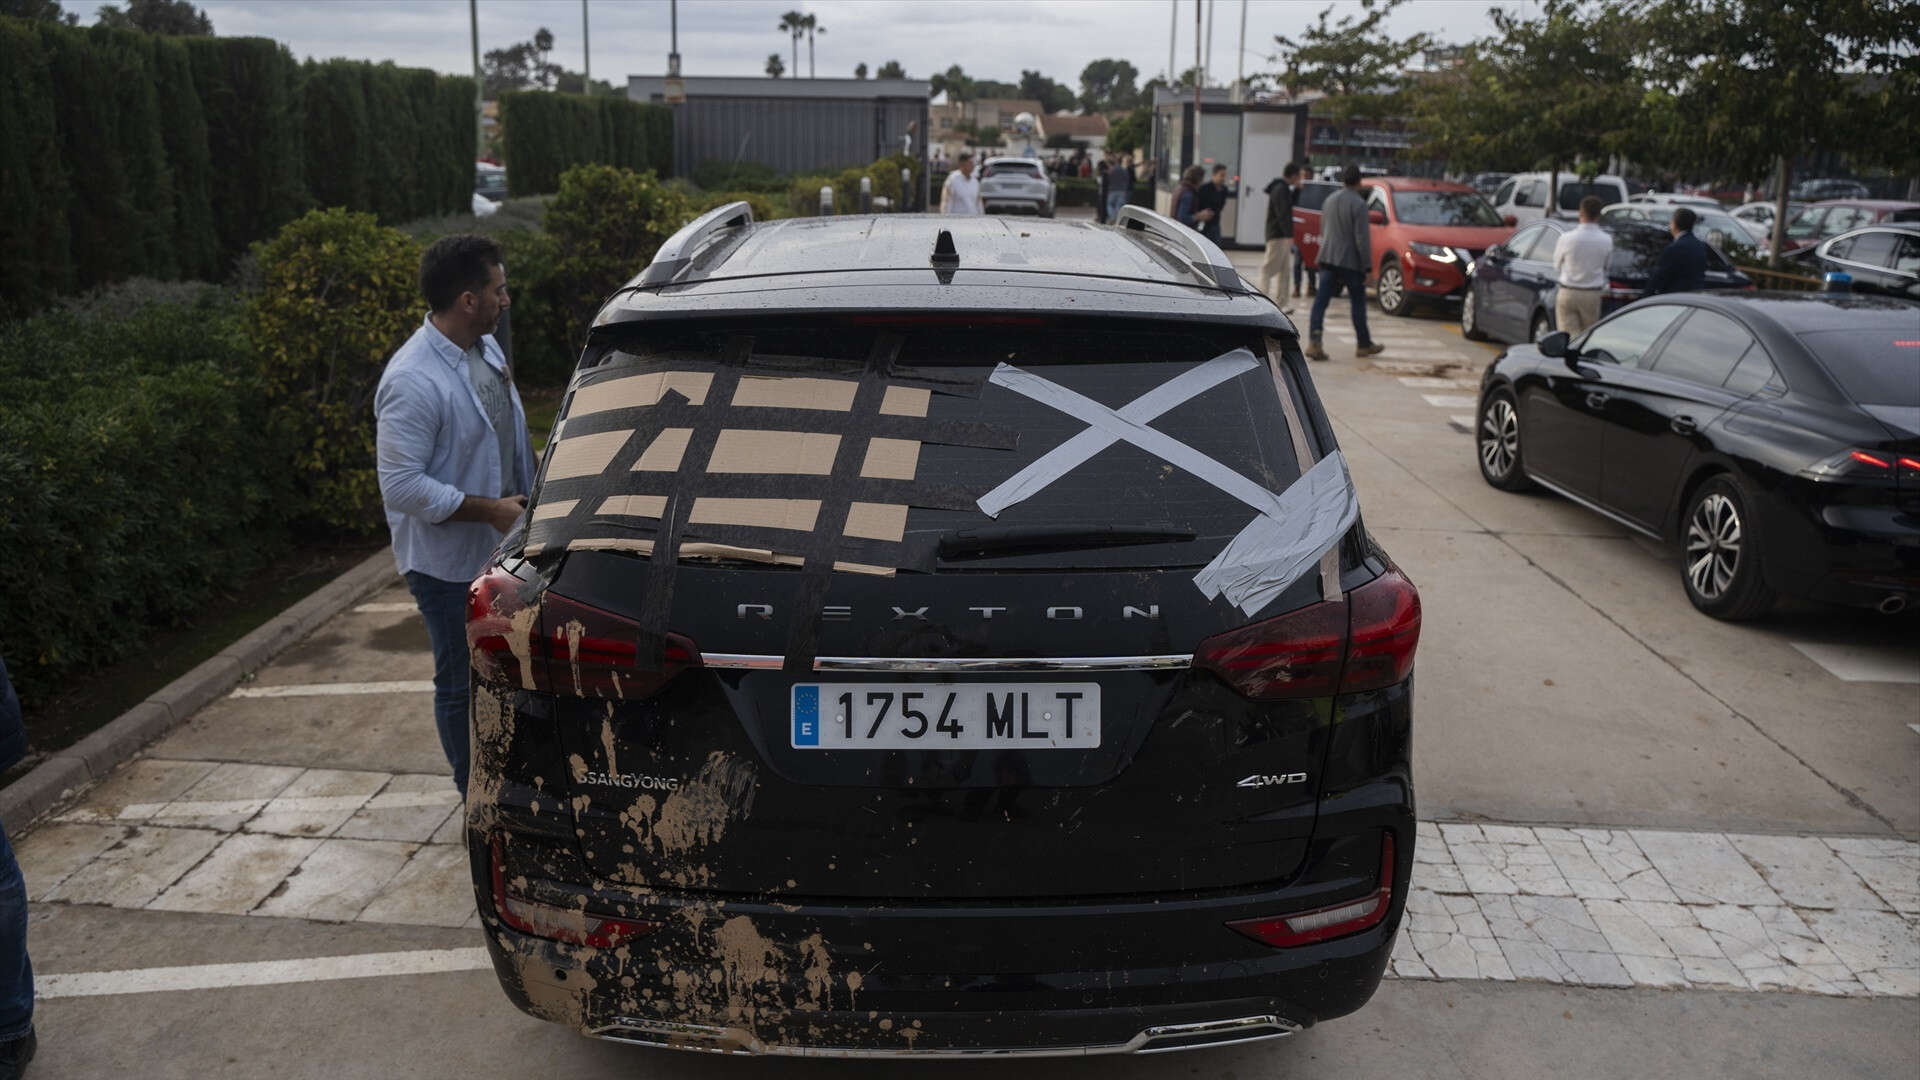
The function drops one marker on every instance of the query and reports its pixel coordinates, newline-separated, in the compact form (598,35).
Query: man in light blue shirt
(454,459)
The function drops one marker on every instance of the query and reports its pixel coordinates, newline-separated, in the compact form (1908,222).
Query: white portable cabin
(1253,139)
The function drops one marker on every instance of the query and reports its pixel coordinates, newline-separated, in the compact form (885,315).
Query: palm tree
(813,27)
(860,70)
(795,24)
(776,67)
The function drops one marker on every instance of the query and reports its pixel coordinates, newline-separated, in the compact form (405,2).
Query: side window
(1625,338)
(1906,260)
(1704,350)
(1753,372)
(1529,193)
(1837,249)
(1872,249)
(1842,218)
(1504,194)
(1523,243)
(1624,214)
(1376,200)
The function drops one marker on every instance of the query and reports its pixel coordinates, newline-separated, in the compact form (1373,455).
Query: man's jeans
(1115,200)
(16,972)
(1332,280)
(444,605)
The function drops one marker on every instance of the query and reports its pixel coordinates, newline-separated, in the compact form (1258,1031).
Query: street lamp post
(479,83)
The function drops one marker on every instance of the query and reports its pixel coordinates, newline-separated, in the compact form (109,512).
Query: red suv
(1427,235)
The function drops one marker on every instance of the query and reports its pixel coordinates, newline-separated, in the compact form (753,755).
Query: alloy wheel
(1391,289)
(1541,328)
(1466,313)
(1713,546)
(1499,437)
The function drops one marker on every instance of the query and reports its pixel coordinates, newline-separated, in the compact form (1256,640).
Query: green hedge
(136,479)
(248,90)
(35,239)
(803,196)
(545,134)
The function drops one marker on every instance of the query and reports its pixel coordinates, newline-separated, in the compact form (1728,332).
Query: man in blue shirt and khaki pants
(454,459)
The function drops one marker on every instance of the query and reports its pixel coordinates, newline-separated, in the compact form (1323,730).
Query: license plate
(920,716)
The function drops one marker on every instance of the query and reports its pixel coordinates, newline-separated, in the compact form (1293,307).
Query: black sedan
(1879,258)
(1773,437)
(1511,288)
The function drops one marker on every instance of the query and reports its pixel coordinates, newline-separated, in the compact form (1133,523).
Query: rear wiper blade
(1001,539)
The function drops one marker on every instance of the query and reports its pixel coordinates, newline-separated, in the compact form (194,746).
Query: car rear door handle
(1683,425)
(1598,400)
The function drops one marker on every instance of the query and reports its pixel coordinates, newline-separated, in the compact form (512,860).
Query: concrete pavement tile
(1805,872)
(1440,877)
(1625,865)
(1596,968)
(237,875)
(1706,972)
(410,808)
(136,792)
(1405,960)
(1458,956)
(453,830)
(131,873)
(317,802)
(338,880)
(1626,933)
(1576,865)
(51,853)
(1654,970)
(227,796)
(435,888)
(1560,921)
(1536,960)
(1869,942)
(1890,867)
(1904,982)
(1509,860)
(1703,868)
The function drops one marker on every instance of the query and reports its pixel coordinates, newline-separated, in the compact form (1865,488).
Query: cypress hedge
(35,262)
(546,134)
(183,130)
(248,91)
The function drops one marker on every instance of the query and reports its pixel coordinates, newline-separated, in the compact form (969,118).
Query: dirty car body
(1026,682)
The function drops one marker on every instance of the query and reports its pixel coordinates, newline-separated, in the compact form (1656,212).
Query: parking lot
(1652,843)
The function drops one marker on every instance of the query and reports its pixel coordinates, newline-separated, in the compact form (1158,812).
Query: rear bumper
(1012,204)
(1853,555)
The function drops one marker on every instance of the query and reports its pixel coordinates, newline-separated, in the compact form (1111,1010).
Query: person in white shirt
(961,193)
(1580,267)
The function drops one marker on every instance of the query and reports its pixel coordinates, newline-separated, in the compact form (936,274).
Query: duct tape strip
(1289,535)
(1330,561)
(953,383)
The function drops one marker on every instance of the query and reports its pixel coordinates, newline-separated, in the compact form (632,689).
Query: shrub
(604,224)
(547,133)
(718,174)
(765,207)
(338,296)
(136,479)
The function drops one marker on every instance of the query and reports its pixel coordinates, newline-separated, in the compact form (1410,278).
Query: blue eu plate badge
(806,716)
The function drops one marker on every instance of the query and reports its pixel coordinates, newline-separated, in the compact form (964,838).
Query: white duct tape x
(1293,529)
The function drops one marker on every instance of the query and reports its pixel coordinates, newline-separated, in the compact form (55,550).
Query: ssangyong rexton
(1022,679)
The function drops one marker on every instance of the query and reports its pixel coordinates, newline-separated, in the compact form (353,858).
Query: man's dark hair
(1350,175)
(1590,207)
(965,155)
(1292,170)
(1219,168)
(455,265)
(1684,219)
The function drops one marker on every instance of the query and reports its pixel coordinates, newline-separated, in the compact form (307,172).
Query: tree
(860,70)
(1052,96)
(952,82)
(176,17)
(794,23)
(891,70)
(813,27)
(49,10)
(1107,86)
(776,67)
(1131,131)
(1354,61)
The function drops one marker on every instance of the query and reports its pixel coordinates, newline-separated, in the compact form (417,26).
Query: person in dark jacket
(1682,267)
(1276,268)
(1186,198)
(17,1042)
(1346,251)
(1117,187)
(1213,203)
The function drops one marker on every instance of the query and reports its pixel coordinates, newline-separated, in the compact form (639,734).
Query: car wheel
(1720,565)
(1469,319)
(1541,326)
(1394,299)
(1497,437)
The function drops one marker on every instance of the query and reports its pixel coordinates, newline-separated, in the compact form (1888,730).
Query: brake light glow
(1865,458)
(1363,641)
(1910,463)
(1621,290)
(567,647)
(1327,923)
(575,927)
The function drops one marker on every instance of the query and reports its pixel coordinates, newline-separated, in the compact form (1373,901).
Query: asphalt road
(1563,684)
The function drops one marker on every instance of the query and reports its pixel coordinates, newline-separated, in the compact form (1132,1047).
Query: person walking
(1346,251)
(17,1039)
(1277,267)
(1186,198)
(455,463)
(1213,203)
(1580,266)
(1119,186)
(961,193)
(1682,265)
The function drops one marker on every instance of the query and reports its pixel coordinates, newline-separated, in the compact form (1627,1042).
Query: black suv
(1023,682)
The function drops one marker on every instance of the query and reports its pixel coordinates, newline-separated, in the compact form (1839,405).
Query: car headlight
(1435,252)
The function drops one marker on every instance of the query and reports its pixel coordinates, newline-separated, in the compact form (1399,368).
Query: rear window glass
(1313,194)
(1572,191)
(1238,422)
(1444,208)
(1874,367)
(1021,169)
(1636,247)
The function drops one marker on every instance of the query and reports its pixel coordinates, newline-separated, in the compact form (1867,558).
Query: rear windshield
(1874,367)
(1312,194)
(1636,247)
(1012,168)
(1443,208)
(1572,191)
(1238,422)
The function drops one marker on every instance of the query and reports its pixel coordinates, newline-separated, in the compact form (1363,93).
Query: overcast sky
(989,38)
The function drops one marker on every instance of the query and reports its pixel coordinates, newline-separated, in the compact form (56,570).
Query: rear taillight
(1363,641)
(573,926)
(1327,923)
(566,647)
(1858,464)
(1623,290)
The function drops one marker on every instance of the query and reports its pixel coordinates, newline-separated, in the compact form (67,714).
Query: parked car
(1827,188)
(483,206)
(490,181)
(1823,219)
(1668,198)
(1011,185)
(1879,258)
(838,694)
(1523,196)
(1487,183)
(1757,217)
(1711,224)
(1513,287)
(1772,438)
(1425,234)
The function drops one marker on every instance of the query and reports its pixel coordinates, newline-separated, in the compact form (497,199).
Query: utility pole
(1173,36)
(1207,67)
(1240,72)
(479,84)
(1197,71)
(673,48)
(586,50)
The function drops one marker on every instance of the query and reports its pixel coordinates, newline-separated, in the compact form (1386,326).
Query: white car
(1758,217)
(1669,198)
(1523,196)
(1011,185)
(483,206)
(1712,224)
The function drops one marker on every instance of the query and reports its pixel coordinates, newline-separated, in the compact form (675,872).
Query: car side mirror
(1555,344)
(1377,217)
(1509,220)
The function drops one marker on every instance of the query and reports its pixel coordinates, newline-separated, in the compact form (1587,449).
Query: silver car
(1013,185)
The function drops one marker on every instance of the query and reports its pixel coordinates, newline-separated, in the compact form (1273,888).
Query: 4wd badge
(1272,779)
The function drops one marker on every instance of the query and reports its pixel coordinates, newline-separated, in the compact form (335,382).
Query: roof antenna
(943,253)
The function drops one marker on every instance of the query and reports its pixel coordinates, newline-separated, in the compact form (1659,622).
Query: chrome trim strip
(763,662)
(735,1041)
(1601,510)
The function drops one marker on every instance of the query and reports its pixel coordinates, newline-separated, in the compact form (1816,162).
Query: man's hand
(499,513)
(1203,215)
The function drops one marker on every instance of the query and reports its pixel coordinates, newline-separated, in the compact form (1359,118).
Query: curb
(92,758)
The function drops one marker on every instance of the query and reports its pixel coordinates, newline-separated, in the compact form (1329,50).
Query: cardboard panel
(553,510)
(797,515)
(891,459)
(795,392)
(905,401)
(584,455)
(663,454)
(645,506)
(877,521)
(635,390)
(801,453)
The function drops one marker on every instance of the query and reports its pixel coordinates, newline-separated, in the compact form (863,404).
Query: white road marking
(260,973)
(1915,727)
(393,608)
(1451,401)
(1427,382)
(1864,663)
(1461,424)
(405,686)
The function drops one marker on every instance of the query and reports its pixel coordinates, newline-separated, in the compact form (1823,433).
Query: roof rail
(677,252)
(1196,247)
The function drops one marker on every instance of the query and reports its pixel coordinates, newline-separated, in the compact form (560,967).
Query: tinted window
(1022,169)
(1531,193)
(1907,259)
(1624,213)
(1872,249)
(1840,248)
(1505,193)
(1529,238)
(1872,366)
(1842,218)
(1753,371)
(1572,191)
(1313,194)
(1625,338)
(1443,208)
(1806,224)
(1704,350)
